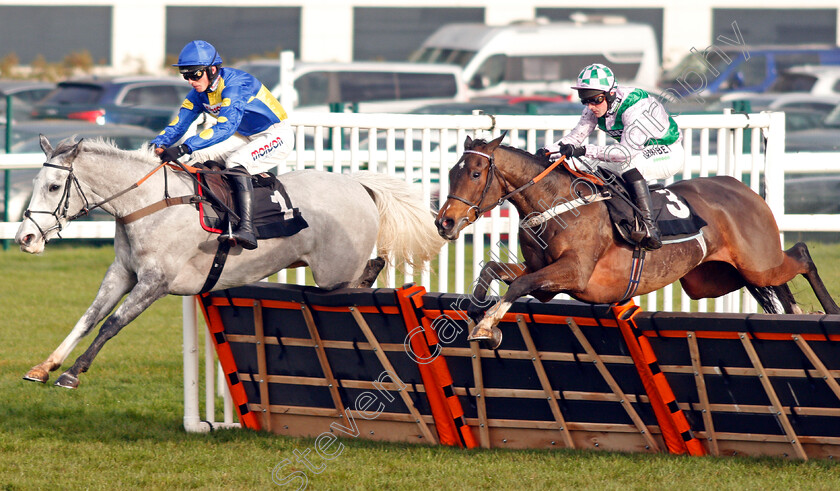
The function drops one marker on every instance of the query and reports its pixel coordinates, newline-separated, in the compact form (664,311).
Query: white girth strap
(533,221)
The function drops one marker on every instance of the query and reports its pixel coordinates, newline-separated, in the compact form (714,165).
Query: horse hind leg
(799,253)
(775,299)
(371,272)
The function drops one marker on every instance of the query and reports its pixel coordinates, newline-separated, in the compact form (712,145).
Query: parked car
(531,56)
(821,80)
(25,137)
(726,69)
(136,100)
(24,93)
(369,86)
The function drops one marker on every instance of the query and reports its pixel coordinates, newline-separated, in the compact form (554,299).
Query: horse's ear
(76,148)
(493,145)
(468,142)
(46,147)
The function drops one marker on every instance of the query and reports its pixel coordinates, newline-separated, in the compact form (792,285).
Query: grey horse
(168,252)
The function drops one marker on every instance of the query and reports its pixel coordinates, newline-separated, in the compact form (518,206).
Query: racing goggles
(593,100)
(193,75)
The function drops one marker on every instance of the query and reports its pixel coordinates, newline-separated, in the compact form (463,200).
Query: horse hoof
(67,381)
(37,375)
(490,338)
(494,342)
(480,334)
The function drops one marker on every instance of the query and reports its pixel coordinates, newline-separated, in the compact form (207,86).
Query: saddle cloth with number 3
(675,217)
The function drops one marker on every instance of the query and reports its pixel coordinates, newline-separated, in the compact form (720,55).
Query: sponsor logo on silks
(266,149)
(213,109)
(655,150)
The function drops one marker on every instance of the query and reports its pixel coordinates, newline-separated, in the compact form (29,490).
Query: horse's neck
(538,197)
(105,176)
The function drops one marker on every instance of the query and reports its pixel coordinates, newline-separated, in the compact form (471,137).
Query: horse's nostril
(448,223)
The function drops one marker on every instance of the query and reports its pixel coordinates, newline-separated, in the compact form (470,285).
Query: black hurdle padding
(351,363)
(572,376)
(771,337)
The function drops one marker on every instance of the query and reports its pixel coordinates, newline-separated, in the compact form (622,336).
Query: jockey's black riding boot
(637,185)
(243,191)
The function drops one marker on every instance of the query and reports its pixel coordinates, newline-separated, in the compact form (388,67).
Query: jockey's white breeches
(259,152)
(654,162)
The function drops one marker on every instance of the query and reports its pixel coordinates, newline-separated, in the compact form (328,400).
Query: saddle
(675,217)
(274,214)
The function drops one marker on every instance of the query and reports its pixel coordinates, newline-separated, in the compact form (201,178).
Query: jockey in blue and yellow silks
(250,126)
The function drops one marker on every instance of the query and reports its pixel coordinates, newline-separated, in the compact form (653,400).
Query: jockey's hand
(570,150)
(172,154)
(547,151)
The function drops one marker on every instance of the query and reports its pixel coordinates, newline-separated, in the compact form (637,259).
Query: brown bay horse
(581,255)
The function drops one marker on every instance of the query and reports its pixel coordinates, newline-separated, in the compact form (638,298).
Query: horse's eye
(476,174)
(54,188)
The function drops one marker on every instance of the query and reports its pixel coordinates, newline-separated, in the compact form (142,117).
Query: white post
(192,420)
(287,89)
(774,173)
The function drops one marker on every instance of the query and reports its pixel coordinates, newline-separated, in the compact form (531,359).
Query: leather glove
(570,150)
(547,151)
(172,154)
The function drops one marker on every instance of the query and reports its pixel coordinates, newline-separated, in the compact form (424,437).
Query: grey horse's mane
(107,147)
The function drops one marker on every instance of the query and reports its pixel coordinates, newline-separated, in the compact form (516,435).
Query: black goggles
(193,75)
(593,100)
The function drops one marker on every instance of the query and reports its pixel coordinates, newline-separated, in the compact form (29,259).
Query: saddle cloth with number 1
(274,214)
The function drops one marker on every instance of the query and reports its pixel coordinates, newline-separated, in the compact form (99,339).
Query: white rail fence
(421,148)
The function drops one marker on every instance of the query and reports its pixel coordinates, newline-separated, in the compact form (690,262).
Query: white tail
(407,232)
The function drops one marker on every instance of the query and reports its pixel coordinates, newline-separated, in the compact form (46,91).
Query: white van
(535,57)
(366,86)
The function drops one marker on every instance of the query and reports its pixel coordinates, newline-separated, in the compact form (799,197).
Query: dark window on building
(777,26)
(650,16)
(237,32)
(392,34)
(55,32)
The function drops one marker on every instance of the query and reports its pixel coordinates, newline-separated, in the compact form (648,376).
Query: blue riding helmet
(198,54)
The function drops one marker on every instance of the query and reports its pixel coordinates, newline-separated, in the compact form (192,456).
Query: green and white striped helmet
(596,77)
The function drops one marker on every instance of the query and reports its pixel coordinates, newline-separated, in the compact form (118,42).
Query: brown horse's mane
(551,180)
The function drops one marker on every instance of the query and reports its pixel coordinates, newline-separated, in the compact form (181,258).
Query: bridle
(60,211)
(491,171)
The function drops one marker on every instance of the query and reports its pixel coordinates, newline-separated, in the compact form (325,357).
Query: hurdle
(394,365)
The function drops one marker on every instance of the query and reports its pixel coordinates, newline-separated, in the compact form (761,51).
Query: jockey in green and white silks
(647,138)
(649,143)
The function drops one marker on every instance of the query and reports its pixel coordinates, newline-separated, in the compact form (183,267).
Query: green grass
(122,428)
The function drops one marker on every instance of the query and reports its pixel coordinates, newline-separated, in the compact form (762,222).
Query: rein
(493,170)
(60,211)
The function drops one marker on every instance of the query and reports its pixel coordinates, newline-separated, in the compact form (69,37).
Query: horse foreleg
(149,288)
(799,252)
(115,284)
(566,275)
(506,272)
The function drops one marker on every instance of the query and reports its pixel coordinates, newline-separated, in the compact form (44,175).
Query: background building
(139,35)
